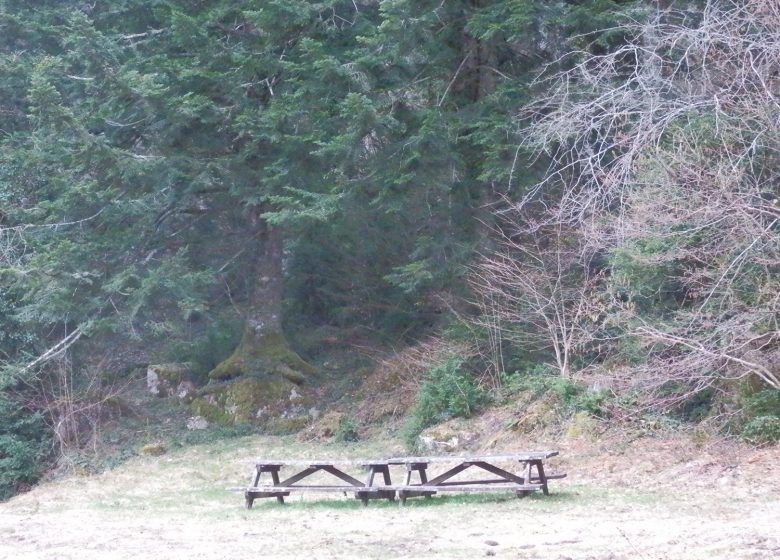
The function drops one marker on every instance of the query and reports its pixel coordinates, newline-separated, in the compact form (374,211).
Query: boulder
(445,438)
(162,380)
(538,415)
(185,391)
(197,423)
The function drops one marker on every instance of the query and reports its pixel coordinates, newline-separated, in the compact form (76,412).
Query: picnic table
(332,476)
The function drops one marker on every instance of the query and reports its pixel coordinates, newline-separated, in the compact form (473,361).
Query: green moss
(211,410)
(269,355)
(245,396)
(238,401)
(152,449)
(173,374)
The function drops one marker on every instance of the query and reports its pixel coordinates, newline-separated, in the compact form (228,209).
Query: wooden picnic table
(337,479)
(523,484)
(364,490)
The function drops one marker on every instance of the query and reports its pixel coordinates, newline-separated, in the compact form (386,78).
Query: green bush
(762,430)
(347,430)
(575,396)
(24,446)
(763,403)
(448,391)
(762,414)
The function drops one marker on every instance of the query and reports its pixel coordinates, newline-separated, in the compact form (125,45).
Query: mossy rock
(152,449)
(583,425)
(251,399)
(162,379)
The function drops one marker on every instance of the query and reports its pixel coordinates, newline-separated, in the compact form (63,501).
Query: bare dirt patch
(659,498)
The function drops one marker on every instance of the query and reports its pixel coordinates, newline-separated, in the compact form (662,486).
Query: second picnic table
(531,477)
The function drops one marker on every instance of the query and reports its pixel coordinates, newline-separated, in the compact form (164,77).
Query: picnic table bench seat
(372,487)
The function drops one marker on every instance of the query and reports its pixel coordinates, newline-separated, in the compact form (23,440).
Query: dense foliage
(179,180)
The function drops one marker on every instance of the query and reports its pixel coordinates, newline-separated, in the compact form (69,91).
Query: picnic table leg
(420,468)
(542,477)
(386,478)
(424,479)
(526,478)
(407,481)
(370,482)
(248,497)
(275,478)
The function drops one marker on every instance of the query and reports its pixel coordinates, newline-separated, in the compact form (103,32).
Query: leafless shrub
(668,150)
(75,405)
(539,291)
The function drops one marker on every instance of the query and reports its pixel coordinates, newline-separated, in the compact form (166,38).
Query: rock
(445,438)
(197,423)
(185,391)
(152,449)
(162,379)
(153,382)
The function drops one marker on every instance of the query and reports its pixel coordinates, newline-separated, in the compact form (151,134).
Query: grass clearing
(176,506)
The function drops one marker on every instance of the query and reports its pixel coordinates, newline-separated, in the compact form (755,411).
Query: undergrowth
(448,391)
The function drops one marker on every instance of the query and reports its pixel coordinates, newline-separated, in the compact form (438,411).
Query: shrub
(762,412)
(448,391)
(347,430)
(24,446)
(762,430)
(763,403)
(576,397)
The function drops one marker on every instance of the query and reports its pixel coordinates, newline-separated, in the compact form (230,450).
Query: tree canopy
(591,181)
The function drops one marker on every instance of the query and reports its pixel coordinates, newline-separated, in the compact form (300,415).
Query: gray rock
(197,423)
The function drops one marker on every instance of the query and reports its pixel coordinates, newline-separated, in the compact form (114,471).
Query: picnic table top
(524,456)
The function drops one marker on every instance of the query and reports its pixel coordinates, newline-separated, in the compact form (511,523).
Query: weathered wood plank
(309,488)
(379,489)
(524,456)
(471,488)
(521,456)
(484,481)
(508,476)
(550,476)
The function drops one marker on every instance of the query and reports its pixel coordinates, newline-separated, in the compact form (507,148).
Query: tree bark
(264,349)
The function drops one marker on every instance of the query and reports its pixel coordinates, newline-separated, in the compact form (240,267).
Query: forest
(582,194)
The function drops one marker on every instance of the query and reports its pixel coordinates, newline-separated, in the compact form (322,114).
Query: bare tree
(667,150)
(538,290)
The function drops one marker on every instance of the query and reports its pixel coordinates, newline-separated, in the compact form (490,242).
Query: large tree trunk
(263,349)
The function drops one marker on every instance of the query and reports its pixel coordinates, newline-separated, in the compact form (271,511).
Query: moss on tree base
(252,399)
(268,354)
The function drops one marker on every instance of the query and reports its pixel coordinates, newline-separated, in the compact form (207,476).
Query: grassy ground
(621,500)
